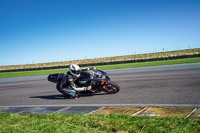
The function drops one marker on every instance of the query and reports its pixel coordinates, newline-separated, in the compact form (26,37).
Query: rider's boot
(73,94)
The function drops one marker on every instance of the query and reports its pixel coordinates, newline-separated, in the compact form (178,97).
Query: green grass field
(103,67)
(79,123)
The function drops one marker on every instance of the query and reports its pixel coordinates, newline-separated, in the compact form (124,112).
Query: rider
(68,86)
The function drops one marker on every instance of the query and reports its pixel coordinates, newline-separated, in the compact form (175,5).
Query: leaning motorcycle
(98,79)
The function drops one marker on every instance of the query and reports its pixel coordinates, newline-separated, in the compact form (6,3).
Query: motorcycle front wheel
(111,88)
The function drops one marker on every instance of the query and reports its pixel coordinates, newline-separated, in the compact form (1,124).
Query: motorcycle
(98,79)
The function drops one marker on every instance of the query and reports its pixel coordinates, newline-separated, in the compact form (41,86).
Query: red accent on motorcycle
(102,83)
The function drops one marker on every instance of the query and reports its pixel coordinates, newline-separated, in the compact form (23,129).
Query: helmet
(75,70)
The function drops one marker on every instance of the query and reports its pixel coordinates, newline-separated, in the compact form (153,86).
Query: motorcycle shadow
(51,97)
(60,96)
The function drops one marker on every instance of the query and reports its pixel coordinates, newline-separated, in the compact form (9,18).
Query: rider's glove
(93,68)
(88,88)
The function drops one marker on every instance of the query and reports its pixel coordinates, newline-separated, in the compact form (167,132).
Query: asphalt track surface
(169,85)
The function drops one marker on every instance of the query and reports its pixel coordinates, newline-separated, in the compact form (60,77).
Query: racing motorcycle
(98,79)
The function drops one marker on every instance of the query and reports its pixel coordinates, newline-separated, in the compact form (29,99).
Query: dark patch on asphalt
(15,109)
(80,110)
(46,110)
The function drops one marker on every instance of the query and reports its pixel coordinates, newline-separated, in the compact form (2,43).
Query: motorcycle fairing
(55,77)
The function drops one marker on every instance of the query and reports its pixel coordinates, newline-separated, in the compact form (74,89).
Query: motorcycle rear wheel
(111,88)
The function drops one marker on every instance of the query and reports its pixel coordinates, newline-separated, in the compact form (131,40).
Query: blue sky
(37,31)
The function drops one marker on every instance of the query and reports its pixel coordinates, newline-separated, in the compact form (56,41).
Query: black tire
(111,88)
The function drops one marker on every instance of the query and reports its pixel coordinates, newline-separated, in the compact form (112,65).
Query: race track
(163,85)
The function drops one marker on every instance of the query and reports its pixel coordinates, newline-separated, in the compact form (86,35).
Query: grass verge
(80,123)
(103,67)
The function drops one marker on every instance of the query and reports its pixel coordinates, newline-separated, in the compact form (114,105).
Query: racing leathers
(68,84)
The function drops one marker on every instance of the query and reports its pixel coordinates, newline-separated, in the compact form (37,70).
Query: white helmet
(75,70)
